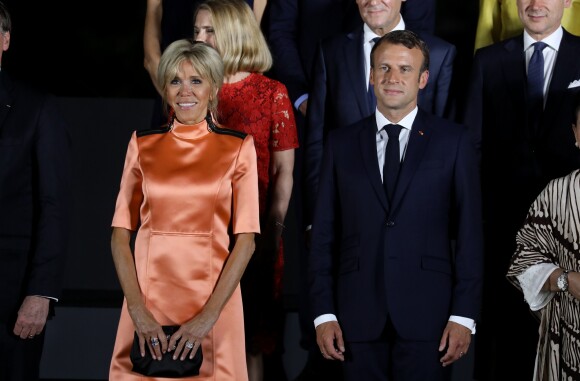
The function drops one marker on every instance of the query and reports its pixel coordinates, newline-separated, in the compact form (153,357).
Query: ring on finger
(31,336)
(188,344)
(154,341)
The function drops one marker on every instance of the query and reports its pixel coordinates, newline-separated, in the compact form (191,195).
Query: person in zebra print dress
(546,268)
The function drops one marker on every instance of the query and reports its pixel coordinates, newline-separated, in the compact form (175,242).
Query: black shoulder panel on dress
(151,131)
(227,131)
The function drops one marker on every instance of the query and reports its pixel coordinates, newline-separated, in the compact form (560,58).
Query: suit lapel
(355,71)
(513,65)
(368,149)
(418,140)
(566,70)
(514,68)
(5,97)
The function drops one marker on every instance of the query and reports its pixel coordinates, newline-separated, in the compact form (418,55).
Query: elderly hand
(149,332)
(189,336)
(31,317)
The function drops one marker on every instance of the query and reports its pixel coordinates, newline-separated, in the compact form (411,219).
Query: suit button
(390,224)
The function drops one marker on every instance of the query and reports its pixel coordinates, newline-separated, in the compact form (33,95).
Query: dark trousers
(19,358)
(391,358)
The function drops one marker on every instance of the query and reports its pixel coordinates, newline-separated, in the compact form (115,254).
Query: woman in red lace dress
(255,104)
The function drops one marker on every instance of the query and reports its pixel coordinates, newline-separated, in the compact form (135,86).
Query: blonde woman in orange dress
(190,192)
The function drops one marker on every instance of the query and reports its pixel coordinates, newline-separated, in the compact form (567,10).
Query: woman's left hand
(187,339)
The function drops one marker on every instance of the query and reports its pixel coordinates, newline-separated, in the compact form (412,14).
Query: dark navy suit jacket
(338,95)
(35,196)
(370,259)
(518,162)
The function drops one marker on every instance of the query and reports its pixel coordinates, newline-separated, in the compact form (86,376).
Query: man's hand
(303,107)
(329,340)
(456,338)
(31,317)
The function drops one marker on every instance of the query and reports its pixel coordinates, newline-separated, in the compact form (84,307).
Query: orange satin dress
(183,190)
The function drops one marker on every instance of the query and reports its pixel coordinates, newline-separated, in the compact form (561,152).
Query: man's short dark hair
(408,39)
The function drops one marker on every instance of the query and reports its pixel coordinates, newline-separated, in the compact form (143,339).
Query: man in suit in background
(296,27)
(389,297)
(340,93)
(35,199)
(518,108)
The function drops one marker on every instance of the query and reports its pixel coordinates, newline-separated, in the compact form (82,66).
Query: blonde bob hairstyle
(204,59)
(238,37)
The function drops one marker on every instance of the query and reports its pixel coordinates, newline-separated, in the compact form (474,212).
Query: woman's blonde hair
(238,37)
(204,59)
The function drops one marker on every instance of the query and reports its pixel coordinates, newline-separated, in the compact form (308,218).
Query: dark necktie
(392,159)
(536,82)
(371,90)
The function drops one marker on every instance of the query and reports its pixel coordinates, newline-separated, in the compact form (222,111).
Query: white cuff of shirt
(324,319)
(532,280)
(466,322)
(299,101)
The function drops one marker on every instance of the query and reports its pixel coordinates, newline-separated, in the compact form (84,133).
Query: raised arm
(152,39)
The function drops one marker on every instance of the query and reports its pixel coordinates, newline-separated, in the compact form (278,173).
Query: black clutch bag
(167,366)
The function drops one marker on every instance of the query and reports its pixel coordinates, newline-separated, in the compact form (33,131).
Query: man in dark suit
(389,297)
(523,145)
(340,93)
(295,28)
(35,196)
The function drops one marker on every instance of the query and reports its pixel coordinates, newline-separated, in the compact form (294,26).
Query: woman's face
(203,28)
(189,94)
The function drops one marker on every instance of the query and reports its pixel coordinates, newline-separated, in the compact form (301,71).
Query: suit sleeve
(469,246)
(419,15)
(473,110)
(315,121)
(54,163)
(284,15)
(320,274)
(444,80)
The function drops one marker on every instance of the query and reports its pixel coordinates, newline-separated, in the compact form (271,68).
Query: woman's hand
(574,284)
(187,339)
(149,331)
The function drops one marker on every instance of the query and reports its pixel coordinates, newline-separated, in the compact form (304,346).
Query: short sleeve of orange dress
(245,190)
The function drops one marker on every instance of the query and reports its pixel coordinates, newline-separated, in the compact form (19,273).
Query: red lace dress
(260,106)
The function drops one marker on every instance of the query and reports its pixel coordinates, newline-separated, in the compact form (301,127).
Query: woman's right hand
(149,331)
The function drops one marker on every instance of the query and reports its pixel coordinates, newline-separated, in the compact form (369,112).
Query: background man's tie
(536,84)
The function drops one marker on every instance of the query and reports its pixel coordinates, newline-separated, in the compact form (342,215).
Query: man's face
(541,17)
(380,15)
(396,78)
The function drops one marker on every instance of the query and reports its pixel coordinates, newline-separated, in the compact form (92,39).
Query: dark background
(79,48)
(95,48)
